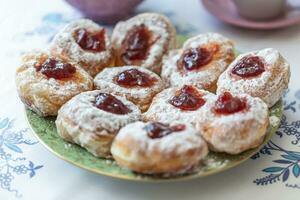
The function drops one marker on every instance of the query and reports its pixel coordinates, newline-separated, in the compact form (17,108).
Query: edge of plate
(141,179)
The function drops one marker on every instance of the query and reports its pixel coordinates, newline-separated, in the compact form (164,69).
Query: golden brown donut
(234,123)
(156,148)
(264,74)
(137,84)
(45,82)
(92,119)
(200,62)
(143,40)
(85,43)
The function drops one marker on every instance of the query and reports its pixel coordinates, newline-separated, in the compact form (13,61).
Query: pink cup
(106,11)
(260,9)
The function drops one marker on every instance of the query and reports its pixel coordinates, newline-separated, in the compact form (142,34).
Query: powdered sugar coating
(237,132)
(46,95)
(141,96)
(81,122)
(64,44)
(85,115)
(134,146)
(269,86)
(161,110)
(205,77)
(162,30)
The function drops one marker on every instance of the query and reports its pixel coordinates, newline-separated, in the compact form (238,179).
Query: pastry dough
(173,152)
(85,43)
(46,95)
(163,111)
(200,62)
(152,110)
(138,85)
(143,40)
(80,121)
(269,85)
(237,131)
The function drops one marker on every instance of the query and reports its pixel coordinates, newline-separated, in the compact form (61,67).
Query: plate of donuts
(146,104)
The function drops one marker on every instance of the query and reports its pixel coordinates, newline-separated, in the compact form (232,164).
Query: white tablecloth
(29,171)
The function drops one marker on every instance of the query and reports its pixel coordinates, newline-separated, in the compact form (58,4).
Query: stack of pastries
(155,109)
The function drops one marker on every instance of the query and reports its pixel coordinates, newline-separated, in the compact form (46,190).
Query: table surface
(29,171)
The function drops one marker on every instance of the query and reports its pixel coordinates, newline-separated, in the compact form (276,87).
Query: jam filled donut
(234,123)
(143,40)
(178,104)
(200,62)
(85,43)
(264,74)
(137,84)
(92,119)
(45,82)
(157,148)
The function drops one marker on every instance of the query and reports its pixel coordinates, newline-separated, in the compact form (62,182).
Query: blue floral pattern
(50,23)
(288,164)
(12,163)
(290,129)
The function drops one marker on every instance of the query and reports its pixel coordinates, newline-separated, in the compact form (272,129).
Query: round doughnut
(182,104)
(143,40)
(85,43)
(156,148)
(137,84)
(233,123)
(200,62)
(92,119)
(45,82)
(264,74)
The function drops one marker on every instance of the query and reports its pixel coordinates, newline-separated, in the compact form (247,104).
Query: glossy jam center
(90,41)
(56,69)
(188,98)
(159,130)
(227,104)
(249,67)
(111,104)
(136,44)
(195,58)
(134,77)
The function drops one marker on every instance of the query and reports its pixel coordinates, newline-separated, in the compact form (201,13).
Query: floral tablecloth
(29,171)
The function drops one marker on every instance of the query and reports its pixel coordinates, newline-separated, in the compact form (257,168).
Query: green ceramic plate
(45,131)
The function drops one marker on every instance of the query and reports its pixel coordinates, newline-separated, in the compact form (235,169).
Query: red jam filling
(134,77)
(227,104)
(111,104)
(90,41)
(188,98)
(249,67)
(159,130)
(136,44)
(55,69)
(195,58)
